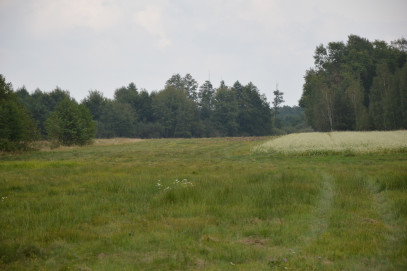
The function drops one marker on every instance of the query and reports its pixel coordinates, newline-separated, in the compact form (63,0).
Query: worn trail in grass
(318,223)
(206,204)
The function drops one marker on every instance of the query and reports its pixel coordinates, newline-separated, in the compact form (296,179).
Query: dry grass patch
(253,241)
(116,141)
(45,145)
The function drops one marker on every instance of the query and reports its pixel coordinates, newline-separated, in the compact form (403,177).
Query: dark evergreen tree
(96,103)
(402,83)
(225,111)
(206,94)
(277,101)
(145,110)
(127,95)
(205,104)
(254,115)
(175,112)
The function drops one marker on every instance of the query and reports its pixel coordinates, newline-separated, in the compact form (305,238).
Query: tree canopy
(360,85)
(17,127)
(181,109)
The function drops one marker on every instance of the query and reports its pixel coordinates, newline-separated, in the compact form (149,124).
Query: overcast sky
(103,45)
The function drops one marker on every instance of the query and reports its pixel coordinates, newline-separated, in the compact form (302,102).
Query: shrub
(70,124)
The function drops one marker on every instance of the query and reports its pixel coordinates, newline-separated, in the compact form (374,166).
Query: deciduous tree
(70,124)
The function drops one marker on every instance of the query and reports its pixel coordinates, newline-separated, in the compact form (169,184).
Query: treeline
(291,119)
(184,109)
(26,118)
(17,127)
(360,85)
(180,109)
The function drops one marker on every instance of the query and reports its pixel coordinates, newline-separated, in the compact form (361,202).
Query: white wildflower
(158,184)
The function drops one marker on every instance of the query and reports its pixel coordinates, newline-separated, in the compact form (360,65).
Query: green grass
(100,208)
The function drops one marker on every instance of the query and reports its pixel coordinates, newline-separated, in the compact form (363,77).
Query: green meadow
(202,204)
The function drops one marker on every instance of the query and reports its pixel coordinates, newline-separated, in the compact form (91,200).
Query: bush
(70,124)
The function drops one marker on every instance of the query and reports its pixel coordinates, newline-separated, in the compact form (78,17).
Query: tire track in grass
(395,230)
(319,220)
(375,209)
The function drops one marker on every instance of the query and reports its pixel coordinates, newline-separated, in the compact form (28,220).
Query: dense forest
(181,109)
(360,85)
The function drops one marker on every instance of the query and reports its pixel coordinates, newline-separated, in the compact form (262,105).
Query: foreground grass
(208,204)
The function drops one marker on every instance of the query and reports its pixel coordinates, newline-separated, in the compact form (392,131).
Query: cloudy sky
(103,45)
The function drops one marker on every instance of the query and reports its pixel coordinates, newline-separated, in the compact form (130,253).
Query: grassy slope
(99,208)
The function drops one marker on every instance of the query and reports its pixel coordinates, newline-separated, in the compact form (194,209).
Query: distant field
(202,204)
(356,142)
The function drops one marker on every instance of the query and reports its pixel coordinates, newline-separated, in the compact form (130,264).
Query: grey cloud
(83,45)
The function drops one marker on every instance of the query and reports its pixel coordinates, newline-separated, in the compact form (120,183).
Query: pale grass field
(358,142)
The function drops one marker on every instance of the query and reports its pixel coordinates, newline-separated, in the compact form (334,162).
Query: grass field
(202,204)
(338,142)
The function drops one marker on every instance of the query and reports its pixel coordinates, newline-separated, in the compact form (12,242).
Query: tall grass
(218,206)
